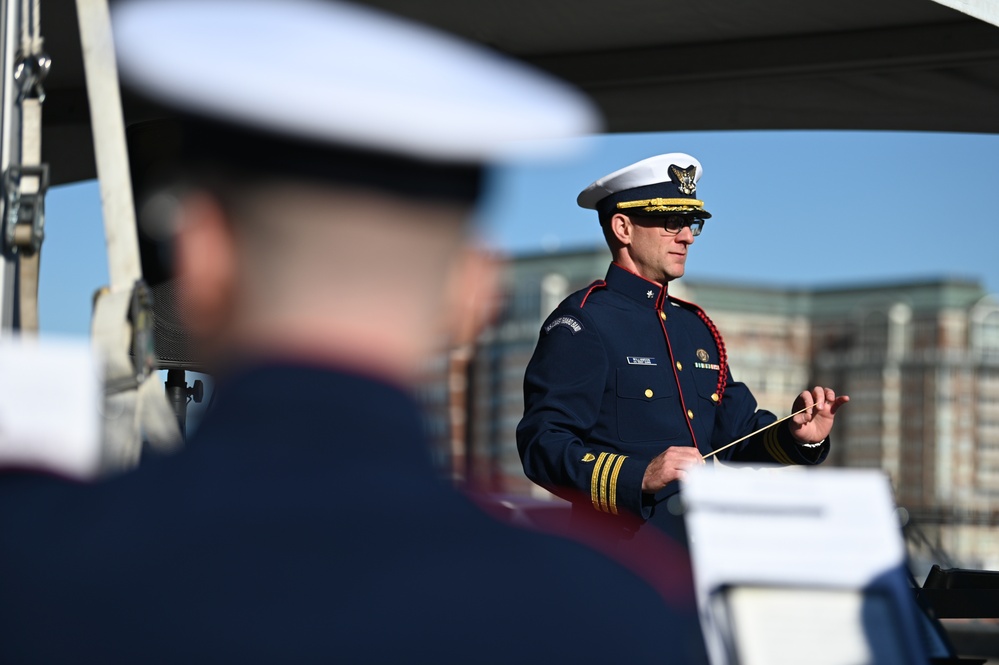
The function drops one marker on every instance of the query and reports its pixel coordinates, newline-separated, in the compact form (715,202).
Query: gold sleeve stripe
(594,480)
(603,482)
(613,483)
(768,444)
(772,445)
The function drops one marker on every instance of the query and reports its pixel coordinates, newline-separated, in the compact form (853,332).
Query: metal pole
(110,149)
(9,40)
(177,393)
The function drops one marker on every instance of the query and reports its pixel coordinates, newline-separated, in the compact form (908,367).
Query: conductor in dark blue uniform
(327,158)
(629,386)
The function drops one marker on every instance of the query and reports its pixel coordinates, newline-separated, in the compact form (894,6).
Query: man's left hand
(814,425)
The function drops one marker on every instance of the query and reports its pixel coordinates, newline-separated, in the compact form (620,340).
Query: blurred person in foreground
(328,158)
(630,386)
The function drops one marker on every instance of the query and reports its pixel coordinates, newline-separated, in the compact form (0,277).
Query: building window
(874,332)
(988,333)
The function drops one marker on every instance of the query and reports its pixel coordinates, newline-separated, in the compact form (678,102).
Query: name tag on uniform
(636,360)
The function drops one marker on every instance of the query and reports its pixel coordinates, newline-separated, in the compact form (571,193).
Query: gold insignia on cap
(684,178)
(702,355)
(589,457)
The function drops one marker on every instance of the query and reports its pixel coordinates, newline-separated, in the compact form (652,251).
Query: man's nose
(685,235)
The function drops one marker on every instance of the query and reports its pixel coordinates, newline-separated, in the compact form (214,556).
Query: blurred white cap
(341,74)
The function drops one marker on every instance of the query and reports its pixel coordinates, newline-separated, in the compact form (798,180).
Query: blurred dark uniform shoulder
(306,523)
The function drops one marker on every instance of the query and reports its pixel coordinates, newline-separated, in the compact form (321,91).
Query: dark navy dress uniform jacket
(305,523)
(621,372)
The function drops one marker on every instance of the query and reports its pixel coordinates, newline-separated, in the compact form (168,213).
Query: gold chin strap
(664,205)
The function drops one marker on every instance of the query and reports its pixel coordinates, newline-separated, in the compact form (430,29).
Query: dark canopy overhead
(657,65)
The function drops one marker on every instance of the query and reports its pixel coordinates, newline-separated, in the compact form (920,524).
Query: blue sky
(789,208)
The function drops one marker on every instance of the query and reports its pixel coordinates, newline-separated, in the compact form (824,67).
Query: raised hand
(814,424)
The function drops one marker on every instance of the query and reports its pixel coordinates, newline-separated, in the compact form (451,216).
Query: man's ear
(473,295)
(621,228)
(205,266)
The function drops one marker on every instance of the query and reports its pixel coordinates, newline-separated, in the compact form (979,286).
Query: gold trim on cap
(664,205)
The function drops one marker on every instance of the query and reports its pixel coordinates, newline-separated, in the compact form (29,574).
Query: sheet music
(786,529)
(50,396)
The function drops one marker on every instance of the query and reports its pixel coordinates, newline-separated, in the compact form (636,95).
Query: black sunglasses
(675,223)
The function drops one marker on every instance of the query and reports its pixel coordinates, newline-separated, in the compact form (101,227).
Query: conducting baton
(729,445)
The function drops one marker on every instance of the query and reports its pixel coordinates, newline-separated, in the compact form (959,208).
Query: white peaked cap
(338,73)
(651,171)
